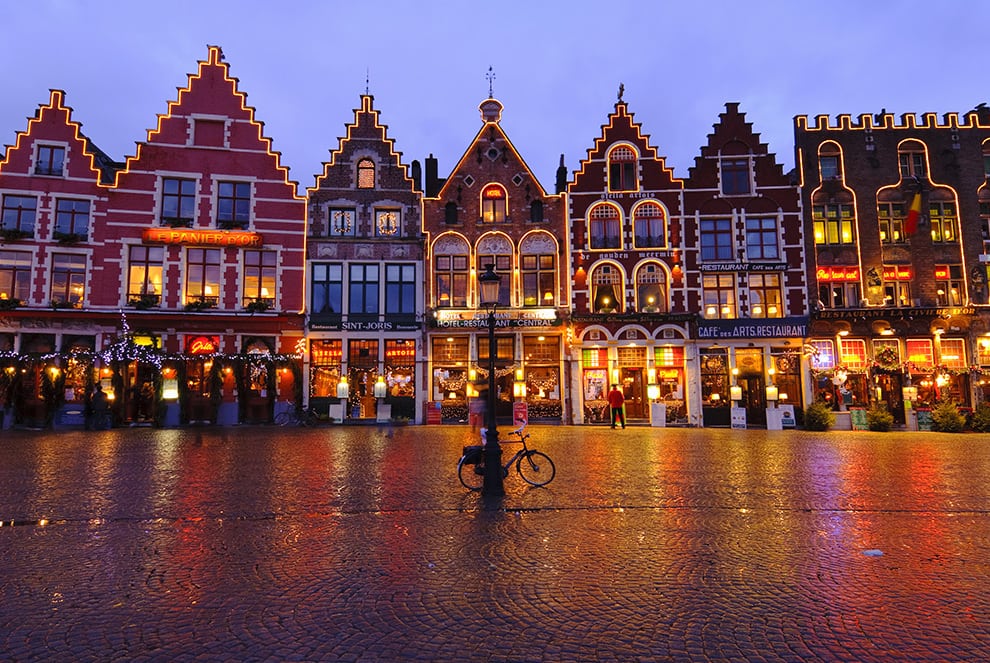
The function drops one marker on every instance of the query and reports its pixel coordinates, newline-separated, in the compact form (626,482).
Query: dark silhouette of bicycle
(535,467)
(294,417)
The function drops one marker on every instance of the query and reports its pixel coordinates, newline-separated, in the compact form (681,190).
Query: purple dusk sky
(557,65)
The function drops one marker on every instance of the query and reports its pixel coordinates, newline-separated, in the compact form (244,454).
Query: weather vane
(491,80)
(367,81)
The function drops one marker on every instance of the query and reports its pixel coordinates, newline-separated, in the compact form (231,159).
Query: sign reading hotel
(767,328)
(512,318)
(189,237)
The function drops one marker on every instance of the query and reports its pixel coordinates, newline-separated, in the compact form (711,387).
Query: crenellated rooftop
(884,120)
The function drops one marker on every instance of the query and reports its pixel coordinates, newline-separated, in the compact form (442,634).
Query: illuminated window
(911,159)
(823,355)
(19,213)
(68,279)
(761,239)
(51,160)
(342,222)
(144,274)
(234,205)
(735,177)
(328,288)
(493,204)
(503,266)
(325,358)
(178,201)
(983,351)
(839,294)
(718,297)
(891,218)
(920,352)
(15,275)
(605,228)
(949,285)
(606,289)
(539,276)
(649,226)
(765,296)
(71,218)
(716,239)
(942,217)
(887,351)
(451,273)
(362,289)
(622,169)
(952,353)
(853,353)
(387,222)
(259,277)
(651,288)
(366,174)
(594,357)
(400,289)
(203,276)
(833,224)
(896,287)
(669,356)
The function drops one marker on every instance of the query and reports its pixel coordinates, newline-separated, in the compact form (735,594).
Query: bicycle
(535,467)
(297,417)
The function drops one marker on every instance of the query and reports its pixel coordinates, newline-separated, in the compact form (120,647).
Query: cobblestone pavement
(359,544)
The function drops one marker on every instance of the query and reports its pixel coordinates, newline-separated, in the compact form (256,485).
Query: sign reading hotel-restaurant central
(202,237)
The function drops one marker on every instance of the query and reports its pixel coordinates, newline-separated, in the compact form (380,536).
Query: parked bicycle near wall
(535,467)
(294,417)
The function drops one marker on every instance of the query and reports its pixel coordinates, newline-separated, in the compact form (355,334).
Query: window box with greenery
(14,234)
(143,302)
(68,238)
(199,305)
(258,305)
(9,303)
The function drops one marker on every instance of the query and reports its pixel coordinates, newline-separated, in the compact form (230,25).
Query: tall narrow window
(622,169)
(911,158)
(450,214)
(144,275)
(494,205)
(19,213)
(203,276)
(765,296)
(366,174)
(328,289)
(68,279)
(891,219)
(833,224)
(949,285)
(943,219)
(259,277)
(651,289)
(451,272)
(51,160)
(735,177)
(605,227)
(71,218)
(607,293)
(178,202)
(15,275)
(649,226)
(761,239)
(400,289)
(719,296)
(234,205)
(363,290)
(503,266)
(539,274)
(716,239)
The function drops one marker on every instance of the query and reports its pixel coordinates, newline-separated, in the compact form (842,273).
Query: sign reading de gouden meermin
(202,237)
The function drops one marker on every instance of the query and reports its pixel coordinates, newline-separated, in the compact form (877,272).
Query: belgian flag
(914,214)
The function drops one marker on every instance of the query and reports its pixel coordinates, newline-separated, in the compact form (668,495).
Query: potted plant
(878,418)
(818,417)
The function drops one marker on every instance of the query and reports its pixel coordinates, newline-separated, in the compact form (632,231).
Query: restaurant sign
(190,237)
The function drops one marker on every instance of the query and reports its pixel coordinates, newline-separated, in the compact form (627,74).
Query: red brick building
(174,279)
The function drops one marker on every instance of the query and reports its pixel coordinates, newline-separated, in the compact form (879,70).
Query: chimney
(561,176)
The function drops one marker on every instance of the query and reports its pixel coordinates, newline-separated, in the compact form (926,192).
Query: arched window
(622,169)
(494,204)
(605,227)
(651,288)
(911,158)
(366,174)
(829,162)
(450,272)
(649,226)
(538,267)
(606,289)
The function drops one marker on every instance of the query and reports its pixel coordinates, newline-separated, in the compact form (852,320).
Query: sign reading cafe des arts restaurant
(791,327)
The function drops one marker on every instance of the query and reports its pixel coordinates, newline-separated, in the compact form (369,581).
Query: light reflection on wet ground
(359,543)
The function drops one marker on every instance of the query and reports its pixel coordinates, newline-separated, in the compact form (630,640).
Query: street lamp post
(488,285)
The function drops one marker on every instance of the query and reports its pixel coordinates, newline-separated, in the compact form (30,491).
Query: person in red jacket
(615,401)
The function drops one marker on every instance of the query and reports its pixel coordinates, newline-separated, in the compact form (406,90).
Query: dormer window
(622,169)
(911,159)
(829,166)
(366,174)
(735,177)
(51,160)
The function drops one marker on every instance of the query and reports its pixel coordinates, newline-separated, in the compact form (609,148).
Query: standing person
(615,401)
(101,407)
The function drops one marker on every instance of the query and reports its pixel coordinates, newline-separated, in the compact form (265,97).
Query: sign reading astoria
(190,237)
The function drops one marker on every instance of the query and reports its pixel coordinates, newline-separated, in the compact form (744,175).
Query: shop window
(765,295)
(714,377)
(606,289)
(669,356)
(325,357)
(541,349)
(887,353)
(719,296)
(400,373)
(920,352)
(594,358)
(952,353)
(604,227)
(450,350)
(853,354)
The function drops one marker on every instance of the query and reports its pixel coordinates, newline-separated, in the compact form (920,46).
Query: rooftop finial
(367,81)
(622,90)
(491,82)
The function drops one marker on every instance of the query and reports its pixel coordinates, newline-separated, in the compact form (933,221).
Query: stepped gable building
(745,276)
(365,275)
(630,321)
(179,279)
(491,209)
(897,215)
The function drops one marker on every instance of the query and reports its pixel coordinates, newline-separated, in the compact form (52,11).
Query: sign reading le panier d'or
(190,237)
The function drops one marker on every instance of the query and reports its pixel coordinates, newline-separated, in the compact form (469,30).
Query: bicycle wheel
(284,418)
(536,468)
(471,475)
